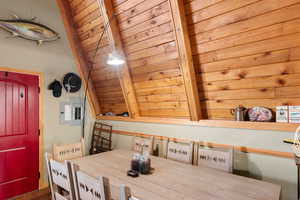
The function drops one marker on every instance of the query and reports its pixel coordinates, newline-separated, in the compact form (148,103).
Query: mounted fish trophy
(28,29)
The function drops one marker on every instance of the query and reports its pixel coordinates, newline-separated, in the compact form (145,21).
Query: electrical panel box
(71,112)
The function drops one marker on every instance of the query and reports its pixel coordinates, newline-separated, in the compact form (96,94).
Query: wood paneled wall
(246,53)
(149,42)
(89,25)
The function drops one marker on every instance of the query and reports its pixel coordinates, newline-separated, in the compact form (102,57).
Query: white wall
(53,59)
(269,168)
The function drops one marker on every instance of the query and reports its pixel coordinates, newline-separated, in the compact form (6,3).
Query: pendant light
(115,59)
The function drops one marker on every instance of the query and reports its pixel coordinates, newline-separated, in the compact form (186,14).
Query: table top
(175,180)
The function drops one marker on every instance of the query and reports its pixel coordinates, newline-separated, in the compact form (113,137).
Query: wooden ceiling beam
(81,61)
(186,57)
(113,32)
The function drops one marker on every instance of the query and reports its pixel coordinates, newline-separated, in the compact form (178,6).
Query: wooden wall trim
(211,144)
(185,57)
(113,32)
(268,126)
(148,120)
(81,61)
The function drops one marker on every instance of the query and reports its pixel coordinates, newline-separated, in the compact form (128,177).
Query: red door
(19,124)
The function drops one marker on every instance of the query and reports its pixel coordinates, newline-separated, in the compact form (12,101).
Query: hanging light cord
(90,73)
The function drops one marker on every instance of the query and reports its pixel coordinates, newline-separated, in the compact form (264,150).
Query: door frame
(42,180)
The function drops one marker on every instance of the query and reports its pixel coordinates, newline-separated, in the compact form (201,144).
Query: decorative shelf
(273,126)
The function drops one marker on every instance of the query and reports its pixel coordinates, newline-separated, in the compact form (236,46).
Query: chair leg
(125,193)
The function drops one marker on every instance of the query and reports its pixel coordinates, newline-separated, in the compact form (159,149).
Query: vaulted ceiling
(144,31)
(188,59)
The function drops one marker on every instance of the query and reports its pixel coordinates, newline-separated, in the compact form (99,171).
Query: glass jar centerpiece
(141,162)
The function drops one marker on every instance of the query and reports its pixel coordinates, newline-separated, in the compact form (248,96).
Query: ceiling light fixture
(115,59)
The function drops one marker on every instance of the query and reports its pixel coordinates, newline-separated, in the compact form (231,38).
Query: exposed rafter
(81,61)
(113,33)
(186,57)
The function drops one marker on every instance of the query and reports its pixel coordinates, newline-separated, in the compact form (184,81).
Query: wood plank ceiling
(245,52)
(89,25)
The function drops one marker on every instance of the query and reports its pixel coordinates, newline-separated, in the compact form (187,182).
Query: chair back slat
(59,196)
(68,151)
(59,174)
(60,179)
(182,152)
(220,159)
(125,193)
(145,144)
(88,187)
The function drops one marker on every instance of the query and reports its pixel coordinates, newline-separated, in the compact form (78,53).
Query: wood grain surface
(174,180)
(192,59)
(245,52)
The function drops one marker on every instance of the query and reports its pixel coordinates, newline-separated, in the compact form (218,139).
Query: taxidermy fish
(28,29)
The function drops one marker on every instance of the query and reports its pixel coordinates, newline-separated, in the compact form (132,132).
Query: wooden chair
(217,158)
(180,151)
(68,151)
(60,179)
(125,193)
(143,144)
(88,187)
(101,138)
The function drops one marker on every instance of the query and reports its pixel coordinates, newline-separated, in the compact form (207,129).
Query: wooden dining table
(171,180)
